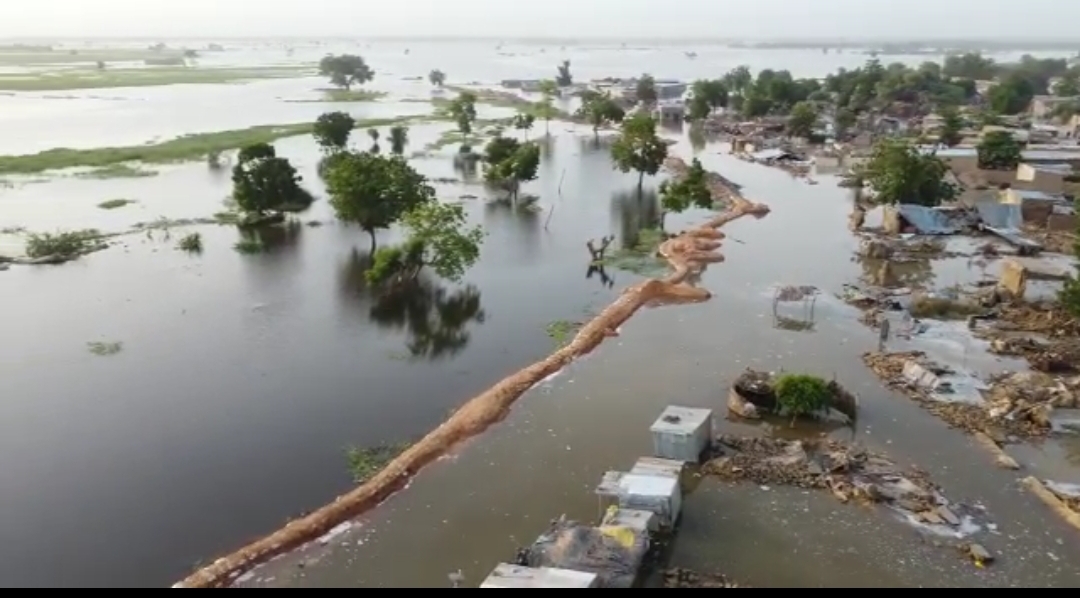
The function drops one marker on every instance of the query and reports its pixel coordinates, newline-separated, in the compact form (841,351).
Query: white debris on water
(338,530)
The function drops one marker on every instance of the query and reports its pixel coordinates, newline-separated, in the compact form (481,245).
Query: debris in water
(685,578)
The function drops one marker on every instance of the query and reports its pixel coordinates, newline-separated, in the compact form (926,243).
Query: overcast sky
(545,18)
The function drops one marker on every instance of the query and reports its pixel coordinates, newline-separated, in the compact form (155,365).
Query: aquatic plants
(191,243)
(113,204)
(63,244)
(510,163)
(801,394)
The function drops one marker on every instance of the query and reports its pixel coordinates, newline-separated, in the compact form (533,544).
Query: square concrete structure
(682,433)
(515,576)
(637,520)
(658,467)
(660,495)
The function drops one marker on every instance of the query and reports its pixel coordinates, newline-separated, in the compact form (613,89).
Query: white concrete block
(682,433)
(658,467)
(661,495)
(637,520)
(516,576)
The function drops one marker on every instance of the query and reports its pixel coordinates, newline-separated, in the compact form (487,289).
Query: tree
(690,191)
(345,70)
(264,182)
(738,79)
(971,66)
(332,130)
(437,238)
(899,173)
(639,148)
(1067,87)
(802,120)
(843,120)
(437,78)
(952,126)
(999,150)
(598,109)
(463,111)
(373,133)
(523,122)
(707,93)
(399,138)
(646,90)
(1012,95)
(564,78)
(374,191)
(545,108)
(510,163)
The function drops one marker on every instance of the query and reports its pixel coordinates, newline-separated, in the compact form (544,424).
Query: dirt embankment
(687,252)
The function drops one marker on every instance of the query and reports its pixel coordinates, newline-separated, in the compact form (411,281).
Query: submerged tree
(264,182)
(438,238)
(690,191)
(437,78)
(332,130)
(463,111)
(510,163)
(564,78)
(645,91)
(373,133)
(598,109)
(802,120)
(707,95)
(524,122)
(545,109)
(999,150)
(374,191)
(899,173)
(399,138)
(638,147)
(345,70)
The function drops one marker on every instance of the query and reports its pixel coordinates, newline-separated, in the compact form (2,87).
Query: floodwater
(241,379)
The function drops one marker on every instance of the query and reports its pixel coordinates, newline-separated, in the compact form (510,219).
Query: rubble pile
(1017,406)
(685,578)
(849,473)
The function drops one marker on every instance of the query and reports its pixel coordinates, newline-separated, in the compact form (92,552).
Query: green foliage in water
(113,204)
(562,331)
(104,349)
(249,246)
(62,244)
(118,171)
(366,462)
(802,394)
(191,243)
(640,258)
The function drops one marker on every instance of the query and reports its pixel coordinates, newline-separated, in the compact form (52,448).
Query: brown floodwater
(241,379)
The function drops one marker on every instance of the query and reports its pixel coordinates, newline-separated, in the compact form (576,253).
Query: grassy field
(188,147)
(141,77)
(343,95)
(16,55)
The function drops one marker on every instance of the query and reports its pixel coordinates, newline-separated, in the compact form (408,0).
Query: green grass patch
(118,171)
(640,258)
(189,147)
(562,331)
(113,204)
(366,462)
(26,55)
(63,244)
(104,349)
(347,95)
(140,77)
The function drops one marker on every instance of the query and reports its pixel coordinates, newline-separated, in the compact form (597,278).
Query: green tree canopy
(690,191)
(437,237)
(437,78)
(999,150)
(345,70)
(598,109)
(898,173)
(510,163)
(638,148)
(646,90)
(802,119)
(264,182)
(332,130)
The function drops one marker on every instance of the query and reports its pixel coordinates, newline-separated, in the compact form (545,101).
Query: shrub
(802,394)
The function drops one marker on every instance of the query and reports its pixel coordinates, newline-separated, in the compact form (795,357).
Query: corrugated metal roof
(927,221)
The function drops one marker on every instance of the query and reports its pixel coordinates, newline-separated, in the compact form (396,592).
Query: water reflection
(435,319)
(635,211)
(276,239)
(598,270)
(894,275)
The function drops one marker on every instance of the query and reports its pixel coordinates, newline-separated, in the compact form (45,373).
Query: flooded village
(467,314)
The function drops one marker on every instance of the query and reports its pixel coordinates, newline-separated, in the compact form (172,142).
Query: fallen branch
(686,253)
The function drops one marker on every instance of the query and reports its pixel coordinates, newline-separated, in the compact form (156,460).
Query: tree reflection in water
(275,238)
(435,319)
(634,212)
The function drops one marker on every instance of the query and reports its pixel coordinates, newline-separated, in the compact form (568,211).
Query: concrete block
(682,433)
(1013,279)
(635,519)
(515,576)
(658,467)
(660,495)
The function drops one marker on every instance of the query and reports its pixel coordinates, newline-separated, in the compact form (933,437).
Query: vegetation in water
(374,191)
(118,171)
(102,349)
(562,331)
(332,131)
(638,148)
(640,257)
(249,246)
(690,191)
(437,78)
(345,70)
(191,243)
(63,244)
(352,95)
(599,109)
(399,138)
(189,147)
(100,78)
(113,204)
(898,172)
(264,182)
(645,90)
(366,462)
(801,394)
(509,163)
(463,112)
(438,238)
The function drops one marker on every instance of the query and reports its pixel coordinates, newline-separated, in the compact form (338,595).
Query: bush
(62,244)
(802,394)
